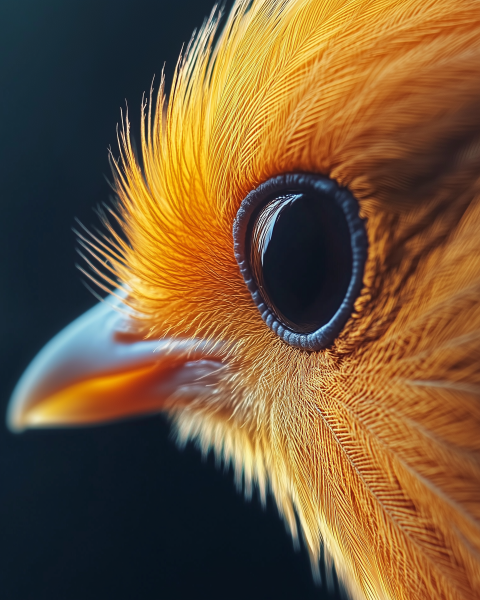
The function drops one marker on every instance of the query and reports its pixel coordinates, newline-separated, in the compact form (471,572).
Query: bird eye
(301,248)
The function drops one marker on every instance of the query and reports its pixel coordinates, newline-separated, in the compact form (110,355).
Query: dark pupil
(301,258)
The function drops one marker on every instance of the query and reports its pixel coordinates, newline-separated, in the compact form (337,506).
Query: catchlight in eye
(301,247)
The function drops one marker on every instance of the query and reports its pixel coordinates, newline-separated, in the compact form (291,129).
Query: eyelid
(289,184)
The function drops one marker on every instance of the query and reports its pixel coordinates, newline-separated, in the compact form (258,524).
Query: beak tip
(14,425)
(15,418)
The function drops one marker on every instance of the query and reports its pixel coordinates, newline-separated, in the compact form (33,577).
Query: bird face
(297,280)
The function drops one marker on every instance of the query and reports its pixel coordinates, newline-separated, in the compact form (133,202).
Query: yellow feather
(373,443)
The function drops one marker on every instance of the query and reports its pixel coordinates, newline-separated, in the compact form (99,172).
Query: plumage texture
(373,443)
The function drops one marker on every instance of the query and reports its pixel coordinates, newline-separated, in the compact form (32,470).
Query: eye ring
(330,191)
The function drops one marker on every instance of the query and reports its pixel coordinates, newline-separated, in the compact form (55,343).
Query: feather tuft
(372,445)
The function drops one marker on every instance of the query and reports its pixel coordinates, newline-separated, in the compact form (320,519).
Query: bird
(293,270)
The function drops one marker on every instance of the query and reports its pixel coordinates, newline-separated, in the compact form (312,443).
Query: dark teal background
(116,512)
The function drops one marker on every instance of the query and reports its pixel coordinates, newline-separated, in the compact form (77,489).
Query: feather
(372,444)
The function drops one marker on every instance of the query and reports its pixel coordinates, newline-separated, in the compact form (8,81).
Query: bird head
(341,375)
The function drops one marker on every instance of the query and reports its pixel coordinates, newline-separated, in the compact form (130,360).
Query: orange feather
(374,443)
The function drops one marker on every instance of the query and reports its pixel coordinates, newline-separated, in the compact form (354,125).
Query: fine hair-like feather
(374,443)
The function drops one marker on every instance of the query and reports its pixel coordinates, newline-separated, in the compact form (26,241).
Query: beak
(97,370)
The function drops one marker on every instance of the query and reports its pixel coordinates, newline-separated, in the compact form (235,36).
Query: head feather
(374,442)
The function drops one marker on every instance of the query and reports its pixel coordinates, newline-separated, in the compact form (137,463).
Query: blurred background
(112,512)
